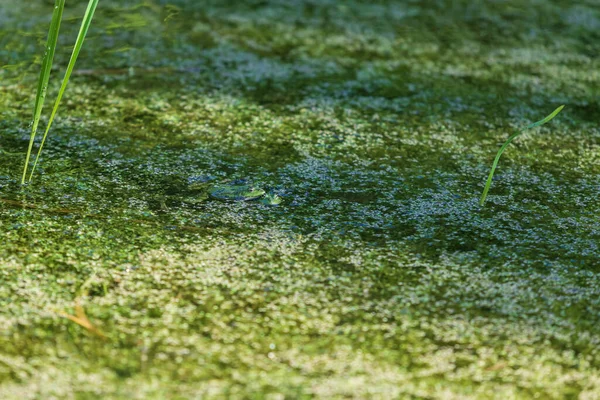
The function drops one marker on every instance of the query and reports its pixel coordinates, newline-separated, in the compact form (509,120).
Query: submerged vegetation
(279,200)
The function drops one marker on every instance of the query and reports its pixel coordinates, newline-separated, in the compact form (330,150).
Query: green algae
(377,276)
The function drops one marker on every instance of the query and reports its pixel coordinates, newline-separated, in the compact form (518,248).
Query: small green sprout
(510,139)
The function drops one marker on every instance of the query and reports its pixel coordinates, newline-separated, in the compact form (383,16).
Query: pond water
(279,199)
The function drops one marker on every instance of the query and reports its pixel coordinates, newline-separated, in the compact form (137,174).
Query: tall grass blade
(85,26)
(42,88)
(488,184)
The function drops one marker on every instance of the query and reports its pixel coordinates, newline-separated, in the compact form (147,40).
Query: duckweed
(377,276)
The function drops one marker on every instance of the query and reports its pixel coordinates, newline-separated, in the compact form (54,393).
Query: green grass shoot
(85,26)
(44,76)
(488,184)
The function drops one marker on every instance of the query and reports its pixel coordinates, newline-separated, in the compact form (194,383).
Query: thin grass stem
(488,183)
(85,26)
(42,87)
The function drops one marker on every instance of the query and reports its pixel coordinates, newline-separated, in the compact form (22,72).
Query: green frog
(198,190)
(236,192)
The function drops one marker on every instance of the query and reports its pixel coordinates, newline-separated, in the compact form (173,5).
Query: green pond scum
(272,199)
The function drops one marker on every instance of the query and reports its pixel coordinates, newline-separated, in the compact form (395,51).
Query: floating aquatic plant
(45,74)
(488,184)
